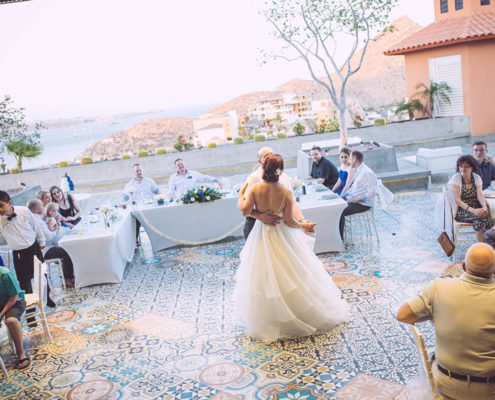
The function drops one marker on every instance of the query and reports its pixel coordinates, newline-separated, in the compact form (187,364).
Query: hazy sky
(63,58)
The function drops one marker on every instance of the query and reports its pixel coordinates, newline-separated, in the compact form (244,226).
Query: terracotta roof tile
(448,31)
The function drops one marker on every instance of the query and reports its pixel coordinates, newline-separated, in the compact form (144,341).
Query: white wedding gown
(282,289)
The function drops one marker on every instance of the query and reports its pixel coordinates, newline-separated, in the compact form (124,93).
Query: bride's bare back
(271,197)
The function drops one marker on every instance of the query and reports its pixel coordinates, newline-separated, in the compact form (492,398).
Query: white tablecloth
(326,213)
(190,224)
(100,256)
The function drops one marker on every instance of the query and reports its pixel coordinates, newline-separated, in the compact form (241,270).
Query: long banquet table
(195,224)
(99,255)
(190,224)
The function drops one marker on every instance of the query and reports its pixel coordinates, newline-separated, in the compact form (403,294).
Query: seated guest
(68,207)
(144,188)
(52,250)
(323,170)
(470,204)
(346,172)
(44,196)
(51,216)
(486,165)
(184,180)
(24,236)
(463,313)
(12,306)
(361,195)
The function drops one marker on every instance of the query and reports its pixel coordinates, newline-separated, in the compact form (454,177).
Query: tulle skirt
(282,289)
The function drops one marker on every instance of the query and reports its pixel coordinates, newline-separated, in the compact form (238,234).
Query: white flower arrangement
(193,199)
(159,197)
(278,172)
(296,183)
(105,209)
(131,190)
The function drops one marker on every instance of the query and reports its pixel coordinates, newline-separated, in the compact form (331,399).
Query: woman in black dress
(69,208)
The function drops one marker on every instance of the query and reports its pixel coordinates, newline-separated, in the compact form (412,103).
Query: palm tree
(409,107)
(433,94)
(23,149)
(278,122)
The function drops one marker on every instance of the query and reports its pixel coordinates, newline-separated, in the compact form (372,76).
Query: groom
(256,177)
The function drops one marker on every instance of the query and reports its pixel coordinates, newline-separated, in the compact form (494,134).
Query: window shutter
(448,69)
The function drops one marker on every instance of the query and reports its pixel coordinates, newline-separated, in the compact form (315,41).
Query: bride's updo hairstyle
(272,167)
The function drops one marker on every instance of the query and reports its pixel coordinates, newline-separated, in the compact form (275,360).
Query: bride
(282,289)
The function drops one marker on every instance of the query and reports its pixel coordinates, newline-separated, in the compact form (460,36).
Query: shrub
(86,160)
(15,170)
(357,121)
(380,121)
(281,135)
(143,153)
(269,133)
(126,156)
(298,129)
(259,138)
(238,140)
(182,144)
(63,164)
(211,145)
(161,151)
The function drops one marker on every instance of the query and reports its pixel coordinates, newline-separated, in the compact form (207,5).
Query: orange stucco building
(459,49)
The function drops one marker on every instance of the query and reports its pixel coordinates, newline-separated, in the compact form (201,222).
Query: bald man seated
(463,312)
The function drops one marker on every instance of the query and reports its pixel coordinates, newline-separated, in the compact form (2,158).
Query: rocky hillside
(381,81)
(148,135)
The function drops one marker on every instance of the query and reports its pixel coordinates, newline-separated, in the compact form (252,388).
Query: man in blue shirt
(12,306)
(487,165)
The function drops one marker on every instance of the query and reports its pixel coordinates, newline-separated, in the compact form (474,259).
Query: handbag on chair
(444,240)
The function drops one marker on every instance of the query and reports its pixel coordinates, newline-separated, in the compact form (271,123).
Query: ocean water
(67,142)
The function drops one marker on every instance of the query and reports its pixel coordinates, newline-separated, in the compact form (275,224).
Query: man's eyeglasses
(479,150)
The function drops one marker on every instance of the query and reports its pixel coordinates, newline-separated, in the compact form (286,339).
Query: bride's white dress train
(282,289)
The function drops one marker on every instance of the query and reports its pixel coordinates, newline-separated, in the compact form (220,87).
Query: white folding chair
(56,265)
(6,254)
(458,228)
(424,361)
(2,366)
(365,219)
(34,301)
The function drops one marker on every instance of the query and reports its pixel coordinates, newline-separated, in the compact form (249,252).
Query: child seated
(52,217)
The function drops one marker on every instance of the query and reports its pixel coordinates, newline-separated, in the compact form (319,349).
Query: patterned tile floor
(168,331)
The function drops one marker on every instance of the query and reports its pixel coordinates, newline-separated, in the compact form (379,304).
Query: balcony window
(459,4)
(444,6)
(485,2)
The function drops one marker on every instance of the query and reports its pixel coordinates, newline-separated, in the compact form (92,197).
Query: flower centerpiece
(131,192)
(105,210)
(296,185)
(201,194)
(160,199)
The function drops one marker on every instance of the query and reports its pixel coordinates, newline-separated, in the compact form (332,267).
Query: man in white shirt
(361,195)
(24,236)
(144,188)
(257,177)
(184,180)
(51,249)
